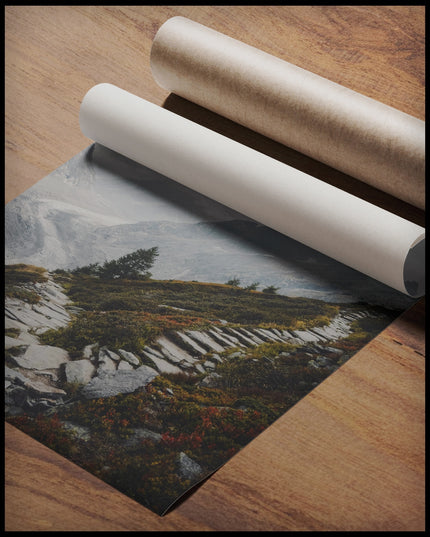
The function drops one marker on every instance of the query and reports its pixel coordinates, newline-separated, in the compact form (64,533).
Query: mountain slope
(152,385)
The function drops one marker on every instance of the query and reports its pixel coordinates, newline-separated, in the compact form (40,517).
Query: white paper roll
(348,229)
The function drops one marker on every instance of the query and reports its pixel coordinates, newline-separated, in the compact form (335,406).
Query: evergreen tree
(131,266)
(234,282)
(271,290)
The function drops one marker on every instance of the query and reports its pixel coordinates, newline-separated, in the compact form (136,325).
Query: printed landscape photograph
(151,333)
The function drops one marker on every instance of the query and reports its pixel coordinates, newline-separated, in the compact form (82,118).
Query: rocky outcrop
(30,393)
(185,351)
(32,385)
(109,383)
(103,372)
(42,377)
(49,312)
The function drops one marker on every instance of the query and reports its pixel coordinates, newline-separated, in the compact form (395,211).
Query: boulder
(80,371)
(89,350)
(188,468)
(109,383)
(143,434)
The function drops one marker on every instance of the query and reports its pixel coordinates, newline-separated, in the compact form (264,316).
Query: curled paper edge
(344,227)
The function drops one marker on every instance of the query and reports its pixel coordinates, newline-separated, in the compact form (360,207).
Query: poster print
(151,333)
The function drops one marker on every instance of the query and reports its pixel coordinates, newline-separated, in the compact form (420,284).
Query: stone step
(173,352)
(190,341)
(225,337)
(205,339)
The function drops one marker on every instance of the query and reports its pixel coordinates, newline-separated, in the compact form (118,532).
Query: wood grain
(350,455)
(315,475)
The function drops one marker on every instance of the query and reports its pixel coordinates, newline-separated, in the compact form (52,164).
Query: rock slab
(109,383)
(42,357)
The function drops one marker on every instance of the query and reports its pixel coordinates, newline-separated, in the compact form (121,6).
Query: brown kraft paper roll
(357,135)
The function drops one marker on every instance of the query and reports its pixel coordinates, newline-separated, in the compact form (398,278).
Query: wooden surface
(350,455)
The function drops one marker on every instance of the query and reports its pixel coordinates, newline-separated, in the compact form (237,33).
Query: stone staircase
(33,381)
(185,350)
